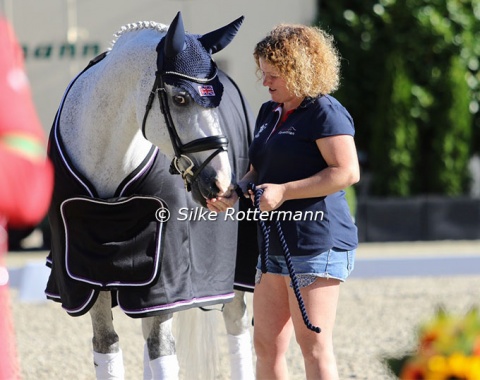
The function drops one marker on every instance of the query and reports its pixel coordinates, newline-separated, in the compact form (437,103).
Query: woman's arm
(343,170)
(250,177)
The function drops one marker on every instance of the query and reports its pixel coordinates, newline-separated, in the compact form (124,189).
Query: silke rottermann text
(200,213)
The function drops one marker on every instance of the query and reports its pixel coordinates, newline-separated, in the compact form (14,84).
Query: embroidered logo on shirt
(290,131)
(262,128)
(206,90)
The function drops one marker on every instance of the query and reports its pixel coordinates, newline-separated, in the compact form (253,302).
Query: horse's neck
(104,109)
(106,159)
(100,131)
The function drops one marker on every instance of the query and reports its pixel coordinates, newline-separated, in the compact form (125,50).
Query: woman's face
(277,86)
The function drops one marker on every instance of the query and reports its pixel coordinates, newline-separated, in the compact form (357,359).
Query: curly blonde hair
(305,56)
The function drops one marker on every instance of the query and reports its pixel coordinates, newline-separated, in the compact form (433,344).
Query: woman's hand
(272,197)
(221,204)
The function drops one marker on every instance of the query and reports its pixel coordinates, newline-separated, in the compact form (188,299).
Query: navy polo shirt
(289,152)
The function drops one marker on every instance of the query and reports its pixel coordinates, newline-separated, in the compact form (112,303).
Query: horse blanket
(120,244)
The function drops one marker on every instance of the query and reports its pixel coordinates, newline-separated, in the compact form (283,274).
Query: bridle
(218,142)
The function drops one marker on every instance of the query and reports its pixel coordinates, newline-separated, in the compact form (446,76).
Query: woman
(302,152)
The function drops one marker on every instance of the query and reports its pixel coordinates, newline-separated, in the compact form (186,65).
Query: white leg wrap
(165,368)
(147,372)
(109,366)
(240,350)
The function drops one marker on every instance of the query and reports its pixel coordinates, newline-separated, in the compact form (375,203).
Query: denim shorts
(333,264)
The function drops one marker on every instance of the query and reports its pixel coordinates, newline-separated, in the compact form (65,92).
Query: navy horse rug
(146,244)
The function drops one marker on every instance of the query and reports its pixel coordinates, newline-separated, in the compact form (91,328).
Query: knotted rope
(264,256)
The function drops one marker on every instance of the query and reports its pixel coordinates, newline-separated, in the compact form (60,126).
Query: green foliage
(452,136)
(394,138)
(411,81)
(351,198)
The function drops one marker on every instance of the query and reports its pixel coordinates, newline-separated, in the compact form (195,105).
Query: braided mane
(140,25)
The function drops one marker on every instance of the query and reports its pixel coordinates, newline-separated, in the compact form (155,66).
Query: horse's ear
(175,37)
(218,39)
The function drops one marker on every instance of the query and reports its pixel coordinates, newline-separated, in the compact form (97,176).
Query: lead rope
(264,256)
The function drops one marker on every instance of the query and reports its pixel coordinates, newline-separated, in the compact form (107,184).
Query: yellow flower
(458,364)
(437,364)
(473,370)
(448,348)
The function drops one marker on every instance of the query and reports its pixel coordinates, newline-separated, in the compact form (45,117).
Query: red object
(25,185)
(26,177)
(9,365)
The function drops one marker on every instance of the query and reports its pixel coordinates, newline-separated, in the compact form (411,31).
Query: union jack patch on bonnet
(206,90)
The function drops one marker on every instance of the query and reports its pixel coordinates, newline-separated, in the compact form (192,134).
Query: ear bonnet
(185,61)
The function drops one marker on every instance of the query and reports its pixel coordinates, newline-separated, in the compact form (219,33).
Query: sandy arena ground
(376,317)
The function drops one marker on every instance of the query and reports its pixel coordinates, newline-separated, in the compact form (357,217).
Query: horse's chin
(198,197)
(201,194)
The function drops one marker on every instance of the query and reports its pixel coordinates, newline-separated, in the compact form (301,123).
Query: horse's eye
(180,99)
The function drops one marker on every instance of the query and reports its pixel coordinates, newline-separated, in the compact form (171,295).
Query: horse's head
(189,92)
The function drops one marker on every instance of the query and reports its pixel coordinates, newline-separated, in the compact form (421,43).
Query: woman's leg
(321,299)
(272,326)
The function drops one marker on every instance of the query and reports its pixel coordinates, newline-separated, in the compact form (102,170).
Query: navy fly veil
(185,60)
(194,71)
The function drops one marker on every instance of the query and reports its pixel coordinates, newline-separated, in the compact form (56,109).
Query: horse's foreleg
(160,358)
(107,355)
(237,324)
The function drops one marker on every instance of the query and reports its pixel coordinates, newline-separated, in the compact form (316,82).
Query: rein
(264,256)
(219,142)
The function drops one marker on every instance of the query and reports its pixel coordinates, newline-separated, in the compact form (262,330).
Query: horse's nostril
(208,189)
